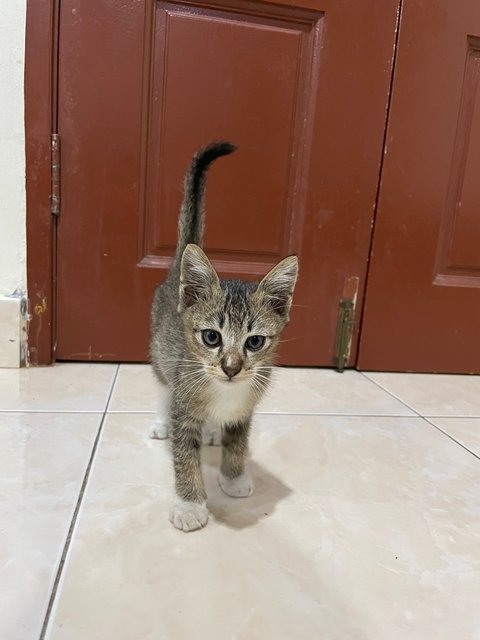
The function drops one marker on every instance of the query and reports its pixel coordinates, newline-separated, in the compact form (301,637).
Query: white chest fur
(229,402)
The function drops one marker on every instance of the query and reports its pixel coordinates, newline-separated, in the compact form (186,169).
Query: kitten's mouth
(228,380)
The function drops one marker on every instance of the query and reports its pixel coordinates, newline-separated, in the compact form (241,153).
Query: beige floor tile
(296,390)
(63,387)
(359,529)
(464,430)
(43,458)
(293,390)
(434,394)
(135,389)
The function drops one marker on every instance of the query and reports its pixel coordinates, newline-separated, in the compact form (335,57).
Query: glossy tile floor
(365,522)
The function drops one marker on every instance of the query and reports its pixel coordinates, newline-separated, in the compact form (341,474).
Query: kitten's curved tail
(191,219)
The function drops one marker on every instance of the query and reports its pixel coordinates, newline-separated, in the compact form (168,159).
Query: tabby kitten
(212,347)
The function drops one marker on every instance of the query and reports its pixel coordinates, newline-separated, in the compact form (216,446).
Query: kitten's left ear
(276,288)
(198,278)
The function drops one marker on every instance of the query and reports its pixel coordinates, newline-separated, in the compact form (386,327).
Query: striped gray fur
(210,391)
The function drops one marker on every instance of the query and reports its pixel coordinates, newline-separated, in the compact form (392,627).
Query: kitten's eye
(211,338)
(255,343)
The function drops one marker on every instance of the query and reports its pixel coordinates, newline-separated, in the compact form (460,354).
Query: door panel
(251,206)
(422,308)
(143,85)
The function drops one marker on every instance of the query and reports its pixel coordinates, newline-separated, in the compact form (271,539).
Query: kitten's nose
(231,367)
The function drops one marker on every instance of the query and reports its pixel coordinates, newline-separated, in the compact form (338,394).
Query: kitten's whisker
(185,375)
(189,386)
(196,390)
(257,390)
(259,372)
(189,383)
(289,339)
(180,365)
(187,380)
(263,376)
(182,360)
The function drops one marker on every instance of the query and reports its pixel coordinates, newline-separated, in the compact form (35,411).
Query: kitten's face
(232,336)
(233,327)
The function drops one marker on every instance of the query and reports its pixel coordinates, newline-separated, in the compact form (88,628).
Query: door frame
(41,55)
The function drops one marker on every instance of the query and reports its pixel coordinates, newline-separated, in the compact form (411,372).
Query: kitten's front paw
(159,430)
(240,487)
(188,516)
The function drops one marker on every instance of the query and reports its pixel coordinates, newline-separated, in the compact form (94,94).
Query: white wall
(12,147)
(13,277)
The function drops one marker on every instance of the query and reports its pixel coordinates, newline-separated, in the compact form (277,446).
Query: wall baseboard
(13,311)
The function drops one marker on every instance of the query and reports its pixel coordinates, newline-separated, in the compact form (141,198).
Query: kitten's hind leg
(159,430)
(233,479)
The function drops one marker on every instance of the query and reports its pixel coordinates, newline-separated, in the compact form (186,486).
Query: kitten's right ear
(197,277)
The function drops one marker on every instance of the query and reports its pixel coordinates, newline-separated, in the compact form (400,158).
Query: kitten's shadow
(240,513)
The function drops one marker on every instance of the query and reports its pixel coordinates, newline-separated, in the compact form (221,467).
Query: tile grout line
(73,523)
(390,393)
(425,419)
(88,412)
(112,390)
(428,421)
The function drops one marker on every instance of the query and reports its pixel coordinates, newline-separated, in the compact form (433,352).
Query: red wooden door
(301,86)
(423,299)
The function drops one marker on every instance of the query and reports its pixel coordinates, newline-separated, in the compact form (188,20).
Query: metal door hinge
(55,169)
(346,322)
(345,327)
